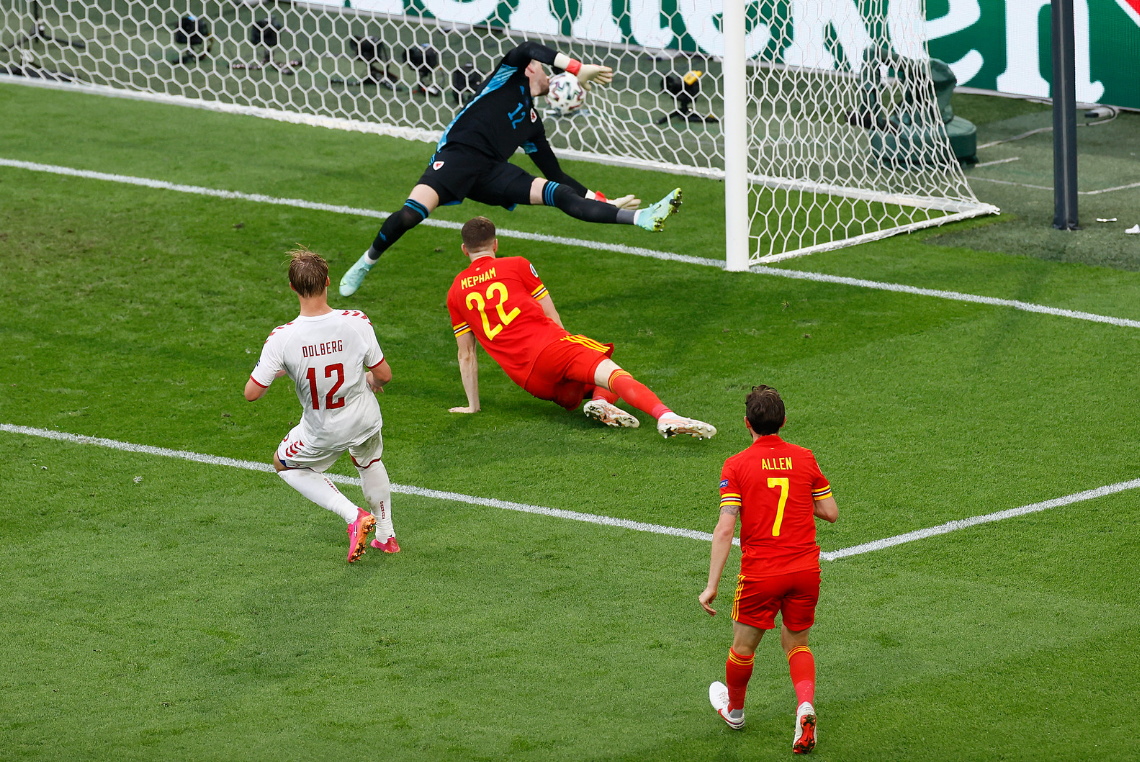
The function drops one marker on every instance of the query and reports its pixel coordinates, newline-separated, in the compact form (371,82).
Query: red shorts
(794,595)
(563,372)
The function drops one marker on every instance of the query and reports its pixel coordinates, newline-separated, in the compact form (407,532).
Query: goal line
(759,269)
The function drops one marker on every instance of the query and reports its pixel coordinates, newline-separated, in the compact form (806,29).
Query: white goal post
(821,116)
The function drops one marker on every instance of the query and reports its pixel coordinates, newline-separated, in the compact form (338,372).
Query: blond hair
(308,272)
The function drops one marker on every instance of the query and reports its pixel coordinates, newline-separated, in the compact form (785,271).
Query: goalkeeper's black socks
(412,213)
(588,210)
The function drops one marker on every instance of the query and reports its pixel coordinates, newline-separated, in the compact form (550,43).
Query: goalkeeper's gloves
(590,73)
(624,202)
(587,74)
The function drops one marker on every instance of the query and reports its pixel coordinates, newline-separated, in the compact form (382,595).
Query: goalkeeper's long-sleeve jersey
(502,117)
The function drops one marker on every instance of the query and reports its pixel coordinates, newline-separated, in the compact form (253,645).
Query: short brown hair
(764,410)
(478,232)
(308,272)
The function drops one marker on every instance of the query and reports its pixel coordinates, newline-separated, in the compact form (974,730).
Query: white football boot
(671,424)
(609,414)
(718,697)
(804,739)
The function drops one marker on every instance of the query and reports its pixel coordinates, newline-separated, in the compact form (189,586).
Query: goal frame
(738,75)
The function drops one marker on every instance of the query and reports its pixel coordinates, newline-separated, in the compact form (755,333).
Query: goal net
(845,140)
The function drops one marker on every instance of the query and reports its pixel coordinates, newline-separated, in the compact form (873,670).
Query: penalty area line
(401,489)
(578,242)
(953,526)
(638,526)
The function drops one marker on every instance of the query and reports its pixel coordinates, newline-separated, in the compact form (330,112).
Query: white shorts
(296,454)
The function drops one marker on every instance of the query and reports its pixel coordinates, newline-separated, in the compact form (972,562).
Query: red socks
(737,672)
(601,393)
(636,393)
(801,665)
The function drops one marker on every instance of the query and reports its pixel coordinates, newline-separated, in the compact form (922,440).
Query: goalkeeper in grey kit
(471,160)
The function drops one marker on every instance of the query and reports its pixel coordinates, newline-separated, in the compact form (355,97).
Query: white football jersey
(326,357)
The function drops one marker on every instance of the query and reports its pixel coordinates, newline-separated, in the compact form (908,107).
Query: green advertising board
(1001,45)
(1006,47)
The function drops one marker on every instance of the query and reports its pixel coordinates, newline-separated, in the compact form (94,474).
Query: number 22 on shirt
(475,300)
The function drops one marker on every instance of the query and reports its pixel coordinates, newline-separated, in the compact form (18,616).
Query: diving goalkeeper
(472,159)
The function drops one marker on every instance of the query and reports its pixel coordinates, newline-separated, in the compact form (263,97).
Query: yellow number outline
(475,300)
(782,483)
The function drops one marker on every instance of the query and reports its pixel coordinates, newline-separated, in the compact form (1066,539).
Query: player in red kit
(502,304)
(776,490)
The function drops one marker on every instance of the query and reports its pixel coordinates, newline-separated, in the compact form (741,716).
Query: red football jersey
(497,299)
(775,484)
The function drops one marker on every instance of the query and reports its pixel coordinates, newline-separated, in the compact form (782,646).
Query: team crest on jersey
(723,483)
(533,116)
(438,165)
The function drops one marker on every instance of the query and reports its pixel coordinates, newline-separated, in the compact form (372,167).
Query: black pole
(1064,118)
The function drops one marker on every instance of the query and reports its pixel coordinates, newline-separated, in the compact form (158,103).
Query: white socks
(378,493)
(321,491)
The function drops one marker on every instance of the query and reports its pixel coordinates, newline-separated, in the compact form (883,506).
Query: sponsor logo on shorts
(438,165)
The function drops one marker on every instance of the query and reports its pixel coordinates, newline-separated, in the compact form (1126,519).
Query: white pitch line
(951,295)
(350,210)
(637,251)
(1011,182)
(250,465)
(1111,190)
(953,526)
(1047,187)
(638,526)
(995,162)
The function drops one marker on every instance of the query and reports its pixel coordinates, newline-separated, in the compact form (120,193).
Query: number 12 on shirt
(331,403)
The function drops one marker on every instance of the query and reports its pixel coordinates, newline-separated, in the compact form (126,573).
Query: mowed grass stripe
(638,526)
(578,242)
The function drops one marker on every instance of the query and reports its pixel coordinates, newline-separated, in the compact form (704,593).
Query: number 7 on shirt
(782,483)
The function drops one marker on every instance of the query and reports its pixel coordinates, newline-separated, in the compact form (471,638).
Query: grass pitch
(156,608)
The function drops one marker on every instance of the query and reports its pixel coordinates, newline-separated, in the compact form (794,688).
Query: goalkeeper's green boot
(355,276)
(653,218)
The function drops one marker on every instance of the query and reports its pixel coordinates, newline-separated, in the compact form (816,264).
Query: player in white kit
(337,367)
